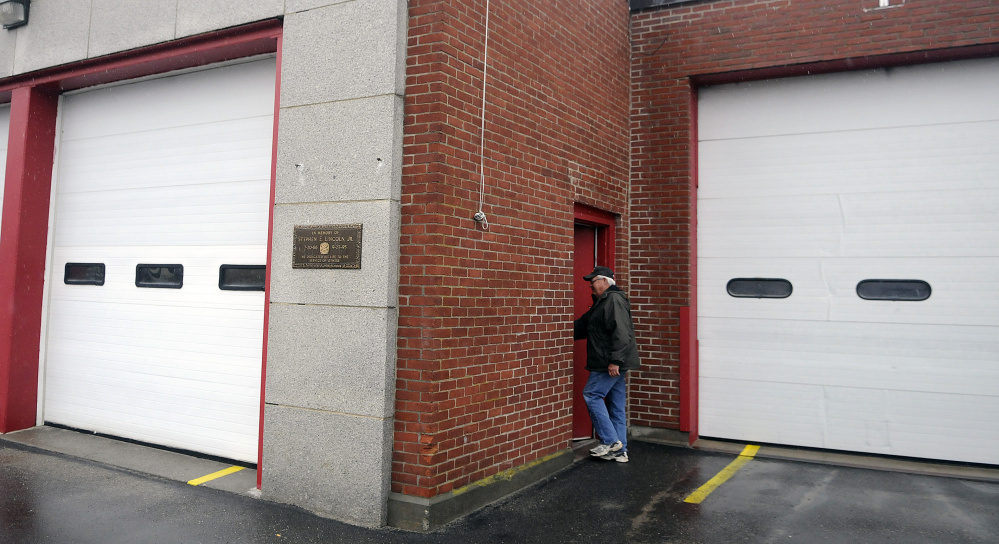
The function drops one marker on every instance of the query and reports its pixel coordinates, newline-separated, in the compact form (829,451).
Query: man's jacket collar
(605,293)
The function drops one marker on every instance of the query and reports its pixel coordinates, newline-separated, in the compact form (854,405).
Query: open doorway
(594,245)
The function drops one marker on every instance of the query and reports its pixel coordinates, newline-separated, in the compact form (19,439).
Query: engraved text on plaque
(326,246)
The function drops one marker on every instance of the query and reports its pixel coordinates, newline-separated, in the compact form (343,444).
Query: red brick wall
(713,41)
(485,348)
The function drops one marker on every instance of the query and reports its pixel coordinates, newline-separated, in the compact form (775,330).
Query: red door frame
(606,231)
(30,155)
(604,224)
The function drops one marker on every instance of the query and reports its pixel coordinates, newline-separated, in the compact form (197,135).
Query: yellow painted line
(215,475)
(702,492)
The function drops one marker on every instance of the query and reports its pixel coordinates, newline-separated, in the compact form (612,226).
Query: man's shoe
(604,449)
(619,456)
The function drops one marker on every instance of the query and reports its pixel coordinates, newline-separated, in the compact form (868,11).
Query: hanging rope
(480,216)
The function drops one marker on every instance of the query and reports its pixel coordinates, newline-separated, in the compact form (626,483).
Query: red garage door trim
(22,251)
(689,393)
(849,64)
(267,270)
(246,41)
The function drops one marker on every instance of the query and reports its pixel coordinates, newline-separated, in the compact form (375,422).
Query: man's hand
(614,370)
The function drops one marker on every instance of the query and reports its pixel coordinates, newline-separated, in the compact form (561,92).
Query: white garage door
(153,176)
(4,133)
(825,182)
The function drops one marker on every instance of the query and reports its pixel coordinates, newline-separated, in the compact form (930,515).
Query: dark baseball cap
(599,271)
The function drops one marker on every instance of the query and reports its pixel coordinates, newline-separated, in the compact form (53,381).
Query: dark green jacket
(610,332)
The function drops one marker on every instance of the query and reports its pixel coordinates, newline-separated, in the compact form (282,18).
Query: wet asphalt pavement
(49,497)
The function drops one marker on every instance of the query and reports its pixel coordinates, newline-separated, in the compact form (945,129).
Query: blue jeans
(604,396)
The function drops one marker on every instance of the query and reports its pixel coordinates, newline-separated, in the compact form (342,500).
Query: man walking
(611,351)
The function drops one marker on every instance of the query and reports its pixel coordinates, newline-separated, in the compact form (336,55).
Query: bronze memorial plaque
(326,246)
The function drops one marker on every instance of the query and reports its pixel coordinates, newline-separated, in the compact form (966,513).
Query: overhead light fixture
(14,13)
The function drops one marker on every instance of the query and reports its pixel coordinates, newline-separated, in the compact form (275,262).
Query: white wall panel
(173,170)
(827,181)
